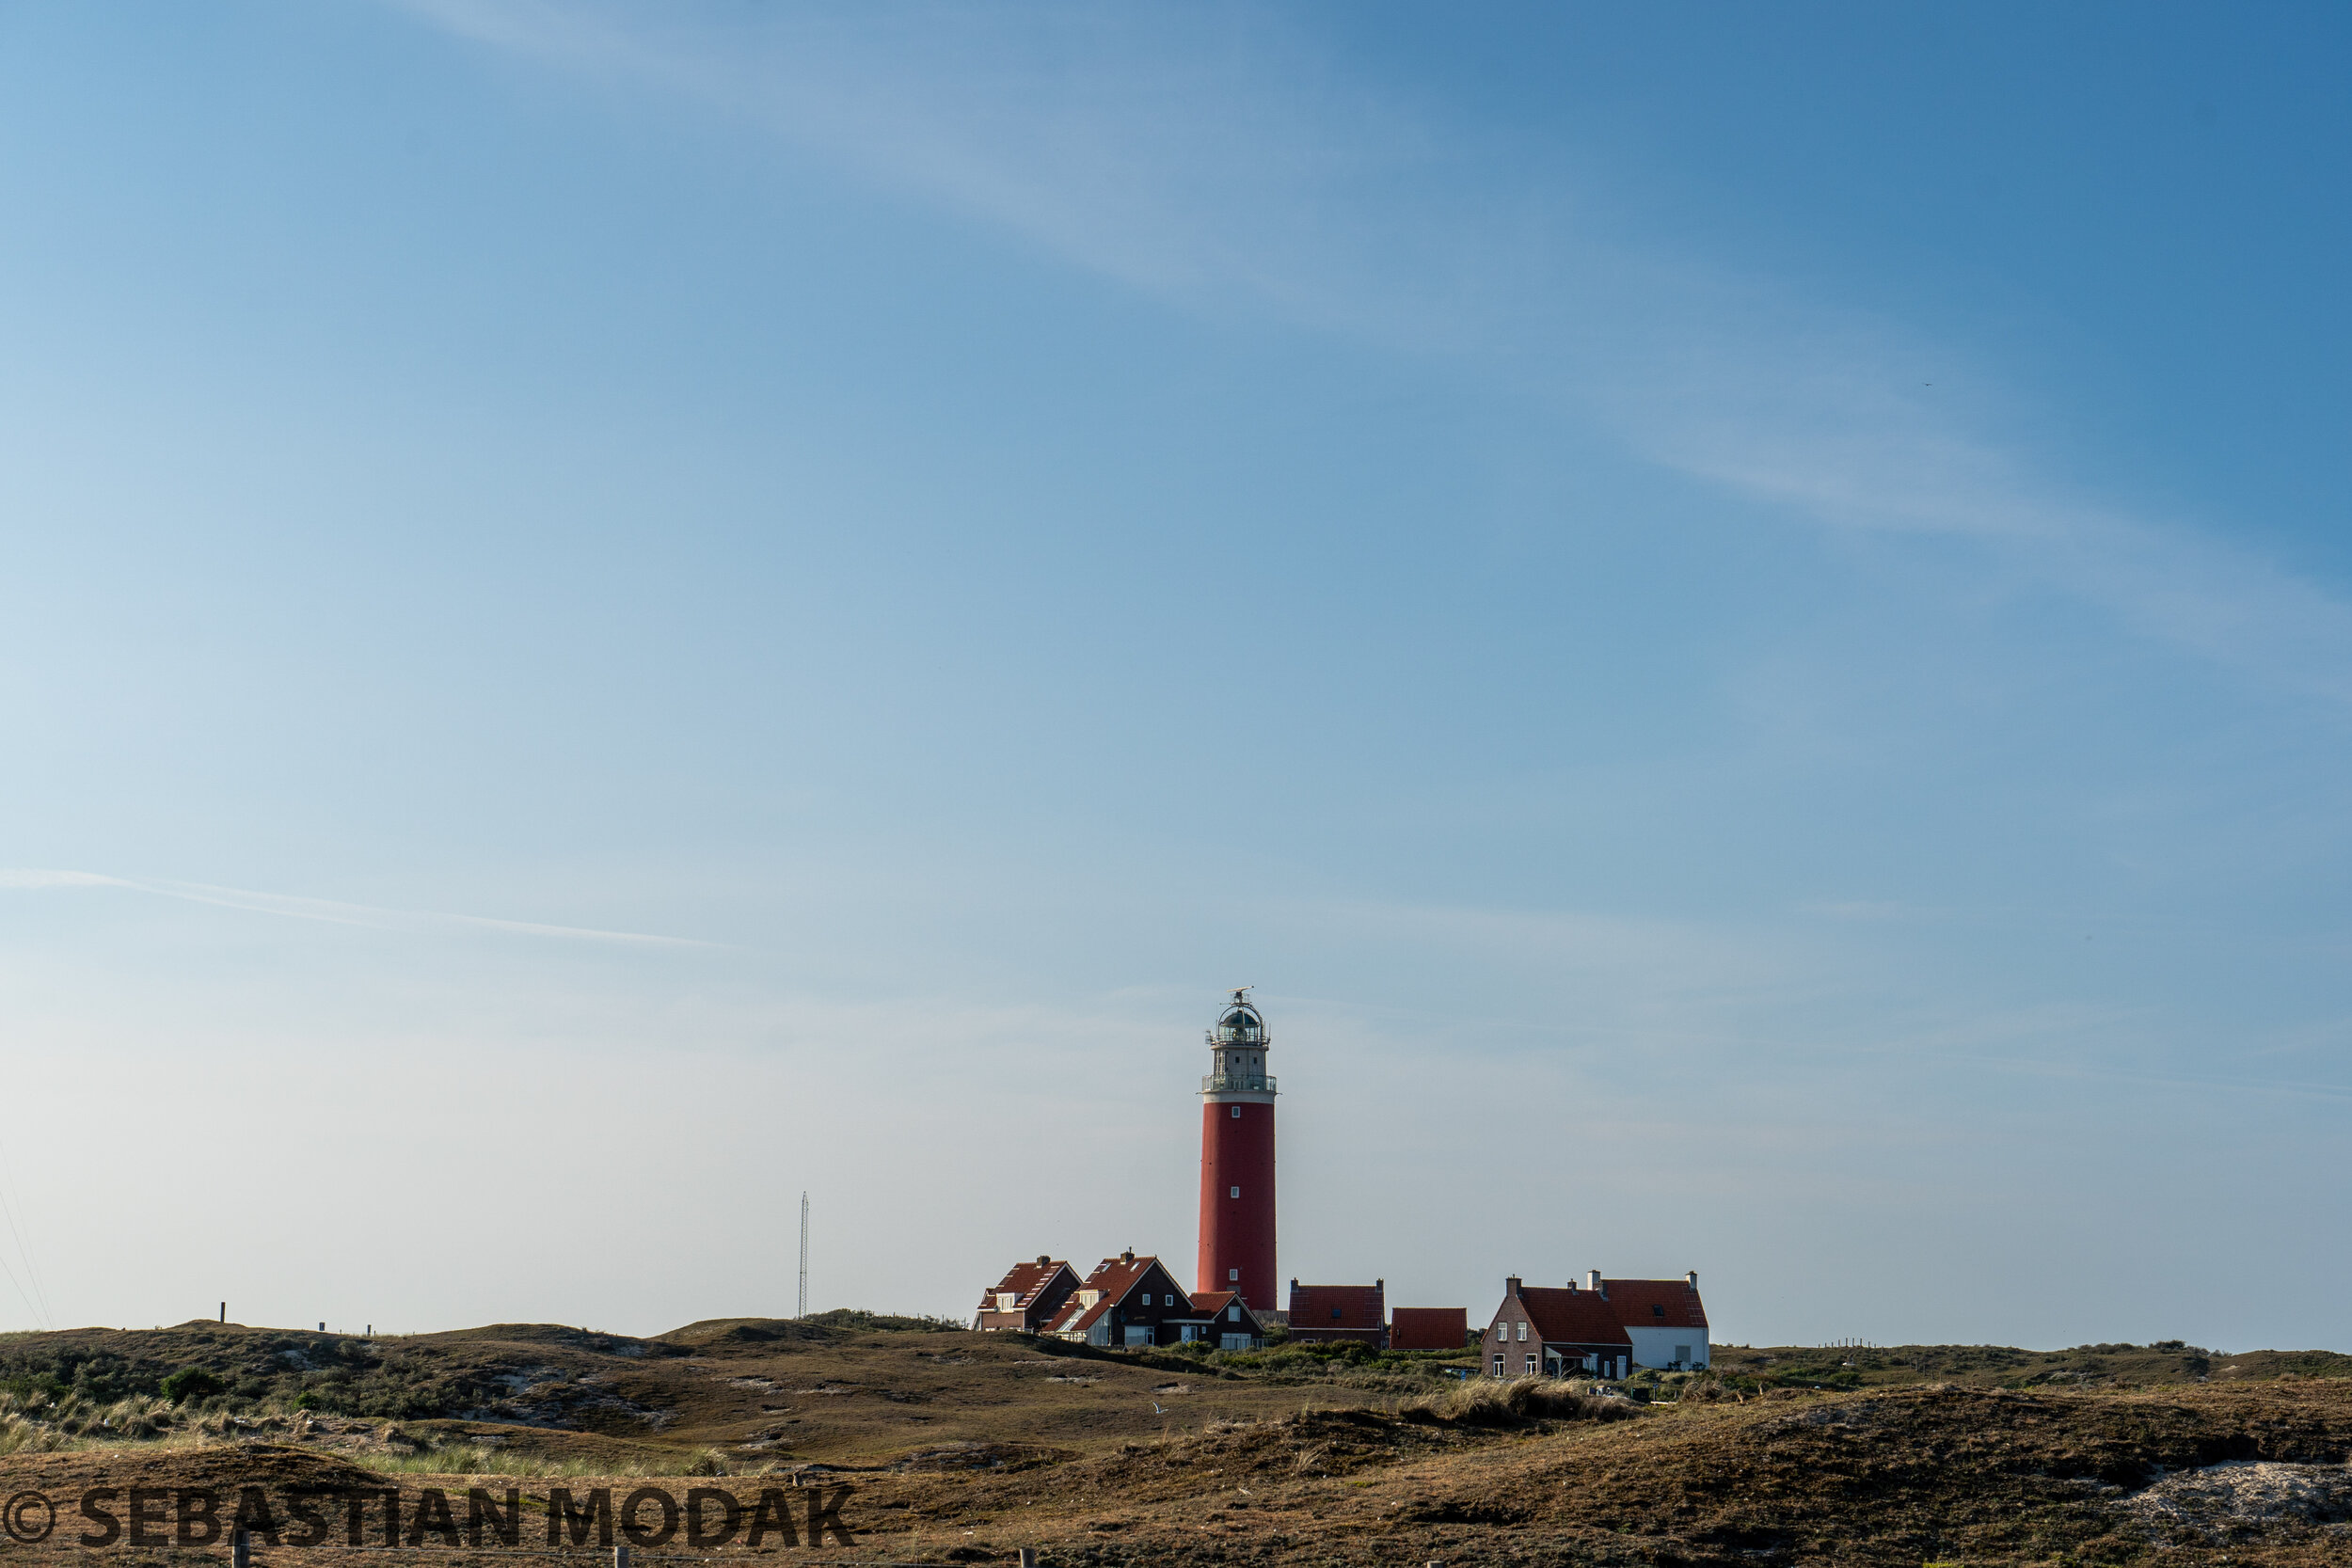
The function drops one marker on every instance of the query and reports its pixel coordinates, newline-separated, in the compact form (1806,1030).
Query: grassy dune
(962,1446)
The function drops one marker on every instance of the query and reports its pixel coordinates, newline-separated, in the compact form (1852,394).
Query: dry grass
(472,1460)
(1490,1473)
(965,1443)
(1493,1402)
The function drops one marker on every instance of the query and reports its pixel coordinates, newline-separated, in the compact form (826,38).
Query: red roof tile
(1115,1278)
(1572,1316)
(1023,1280)
(1428,1328)
(1656,1303)
(1330,1307)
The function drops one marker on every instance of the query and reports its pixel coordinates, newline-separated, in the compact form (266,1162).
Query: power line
(7,1180)
(33,1312)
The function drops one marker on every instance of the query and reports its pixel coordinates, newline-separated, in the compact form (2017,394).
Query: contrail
(329,909)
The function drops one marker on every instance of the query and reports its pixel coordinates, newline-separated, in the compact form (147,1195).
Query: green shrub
(191,1383)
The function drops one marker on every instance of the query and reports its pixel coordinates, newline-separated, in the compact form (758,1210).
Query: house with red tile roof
(1226,1321)
(1027,1297)
(1340,1312)
(1542,1331)
(1428,1328)
(1127,1300)
(1664,1319)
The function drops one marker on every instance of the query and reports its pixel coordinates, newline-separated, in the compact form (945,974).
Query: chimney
(1592,1281)
(1692,1277)
(1042,1260)
(1128,1256)
(1511,1285)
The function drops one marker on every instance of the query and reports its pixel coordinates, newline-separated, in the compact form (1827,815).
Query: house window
(1234,1312)
(1530,1366)
(1498,1366)
(1233,1192)
(1522,1331)
(1683,1354)
(1657,1312)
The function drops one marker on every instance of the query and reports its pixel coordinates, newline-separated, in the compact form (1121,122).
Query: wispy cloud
(1220,158)
(331,910)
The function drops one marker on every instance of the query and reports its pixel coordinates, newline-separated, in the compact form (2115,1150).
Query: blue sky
(1741,616)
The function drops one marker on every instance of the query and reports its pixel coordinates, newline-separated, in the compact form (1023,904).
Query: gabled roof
(1025,1280)
(1428,1328)
(1116,1280)
(1212,1304)
(1654,1303)
(1572,1316)
(1329,1307)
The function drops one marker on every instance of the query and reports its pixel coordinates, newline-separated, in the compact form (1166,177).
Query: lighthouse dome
(1240,1025)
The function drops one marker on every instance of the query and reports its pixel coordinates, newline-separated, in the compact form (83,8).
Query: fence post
(1028,1557)
(620,1557)
(239,1548)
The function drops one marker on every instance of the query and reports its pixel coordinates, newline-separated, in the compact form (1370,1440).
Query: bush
(191,1383)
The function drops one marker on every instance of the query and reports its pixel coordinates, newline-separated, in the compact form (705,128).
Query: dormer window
(1005,1300)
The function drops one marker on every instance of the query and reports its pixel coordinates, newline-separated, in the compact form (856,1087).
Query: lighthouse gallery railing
(1238,1083)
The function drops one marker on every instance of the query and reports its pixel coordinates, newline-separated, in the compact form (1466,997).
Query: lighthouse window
(1233,1274)
(1233,1192)
(1237,1113)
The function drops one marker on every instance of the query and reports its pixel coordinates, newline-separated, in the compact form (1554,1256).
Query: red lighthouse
(1238,1160)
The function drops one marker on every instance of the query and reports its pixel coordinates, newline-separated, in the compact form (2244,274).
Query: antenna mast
(802,1312)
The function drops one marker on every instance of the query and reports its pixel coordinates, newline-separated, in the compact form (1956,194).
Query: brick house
(1663,1318)
(1341,1312)
(1127,1300)
(1226,1322)
(1429,1328)
(1540,1331)
(1026,1300)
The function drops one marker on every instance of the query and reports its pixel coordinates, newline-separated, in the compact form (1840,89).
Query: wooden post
(620,1557)
(239,1548)
(1028,1557)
